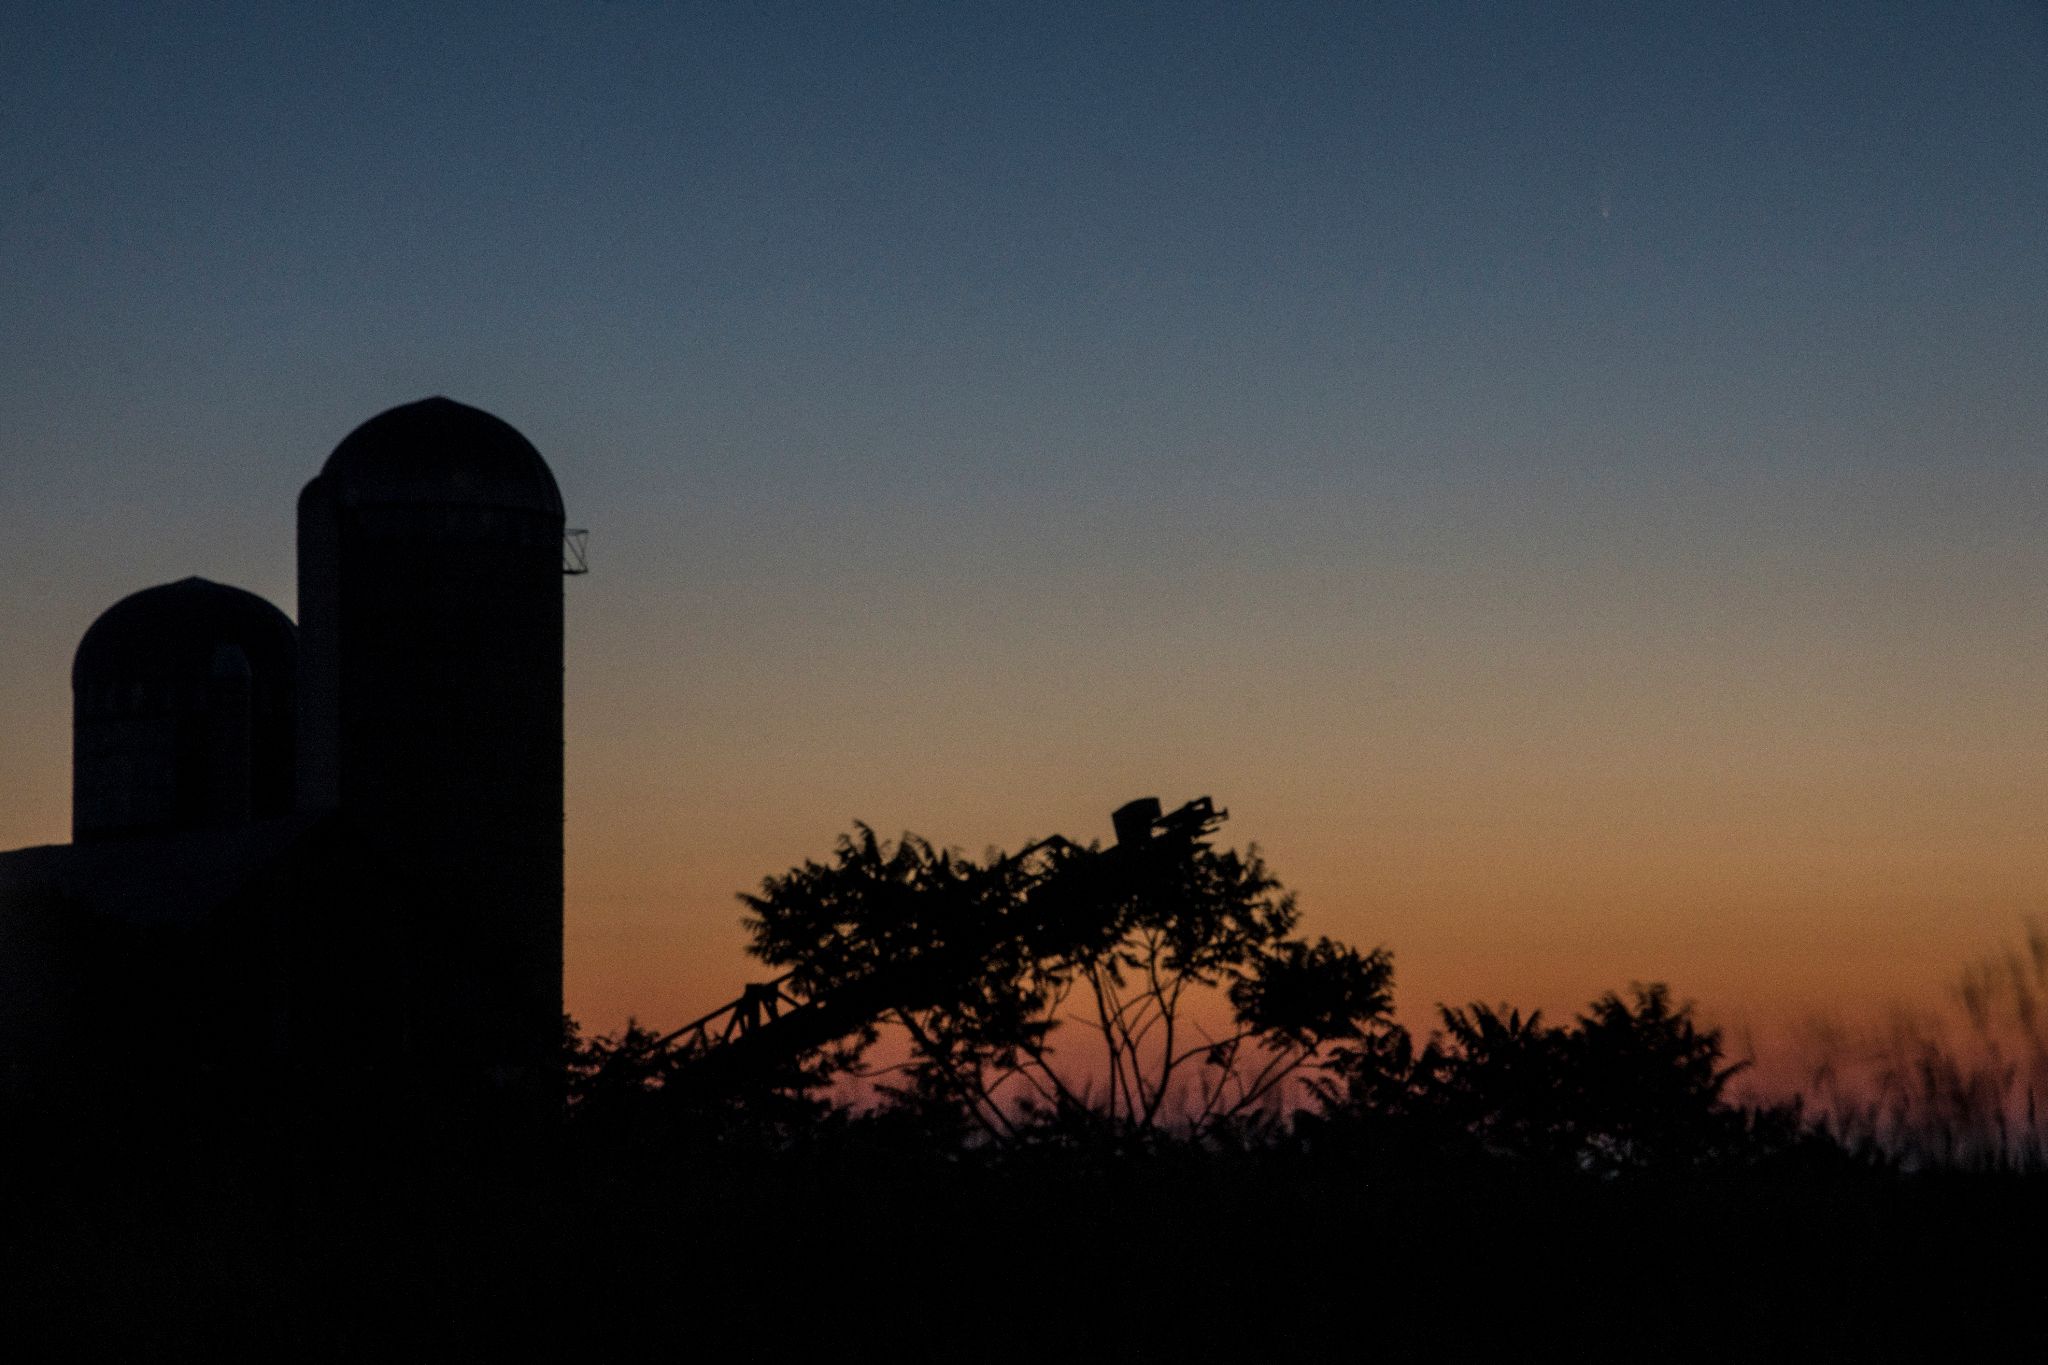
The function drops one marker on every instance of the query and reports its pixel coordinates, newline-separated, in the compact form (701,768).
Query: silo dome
(441,451)
(169,633)
(184,701)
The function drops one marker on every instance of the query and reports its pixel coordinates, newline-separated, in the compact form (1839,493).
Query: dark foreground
(120,1249)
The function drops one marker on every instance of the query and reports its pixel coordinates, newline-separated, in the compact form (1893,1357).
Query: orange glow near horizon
(1768,885)
(1534,782)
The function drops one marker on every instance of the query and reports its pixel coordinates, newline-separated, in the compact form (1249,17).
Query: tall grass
(1963,1088)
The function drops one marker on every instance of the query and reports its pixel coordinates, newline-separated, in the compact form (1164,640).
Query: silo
(183,700)
(430,603)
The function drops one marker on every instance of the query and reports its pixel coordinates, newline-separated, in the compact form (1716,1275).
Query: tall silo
(430,609)
(182,713)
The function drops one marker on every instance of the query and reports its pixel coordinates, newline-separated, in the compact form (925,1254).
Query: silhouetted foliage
(984,966)
(1632,1085)
(1962,1090)
(1156,991)
(630,1091)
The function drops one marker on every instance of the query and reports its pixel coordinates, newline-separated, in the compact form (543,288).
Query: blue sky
(985,409)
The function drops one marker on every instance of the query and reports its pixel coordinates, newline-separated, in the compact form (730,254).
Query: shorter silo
(183,713)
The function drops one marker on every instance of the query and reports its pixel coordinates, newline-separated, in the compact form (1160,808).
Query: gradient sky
(1570,479)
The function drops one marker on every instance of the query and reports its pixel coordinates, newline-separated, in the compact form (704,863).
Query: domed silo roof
(184,712)
(172,633)
(441,451)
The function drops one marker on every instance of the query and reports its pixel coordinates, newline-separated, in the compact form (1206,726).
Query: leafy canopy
(983,965)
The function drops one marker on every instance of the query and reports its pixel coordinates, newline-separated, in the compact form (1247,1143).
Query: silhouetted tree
(1630,1085)
(1646,1085)
(1154,989)
(981,965)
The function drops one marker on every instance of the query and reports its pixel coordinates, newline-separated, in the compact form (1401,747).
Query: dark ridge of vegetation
(858,1240)
(1308,1181)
